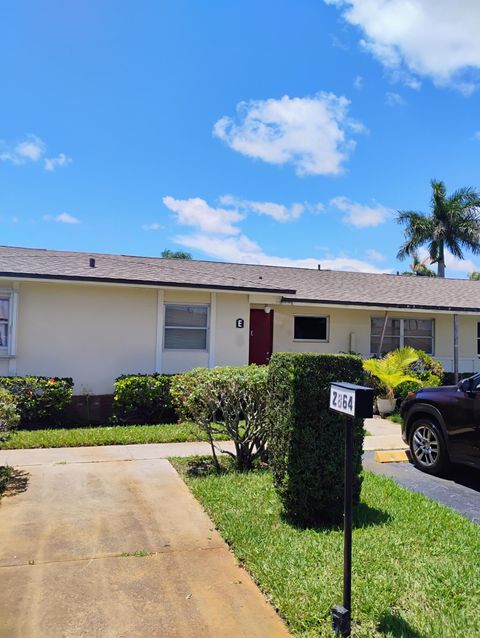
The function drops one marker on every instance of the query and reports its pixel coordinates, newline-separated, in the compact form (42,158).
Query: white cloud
(393,99)
(31,149)
(312,133)
(52,163)
(243,250)
(452,264)
(197,213)
(374,255)
(152,226)
(358,83)
(360,215)
(218,233)
(421,38)
(63,218)
(278,212)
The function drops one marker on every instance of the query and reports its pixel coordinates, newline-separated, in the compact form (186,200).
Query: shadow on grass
(363,516)
(395,626)
(12,481)
(202,466)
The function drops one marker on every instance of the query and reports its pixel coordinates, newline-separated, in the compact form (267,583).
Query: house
(95,316)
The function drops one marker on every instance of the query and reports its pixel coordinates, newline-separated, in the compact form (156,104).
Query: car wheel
(427,447)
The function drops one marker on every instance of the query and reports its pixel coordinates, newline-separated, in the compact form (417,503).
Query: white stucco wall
(343,322)
(94,333)
(231,343)
(91,333)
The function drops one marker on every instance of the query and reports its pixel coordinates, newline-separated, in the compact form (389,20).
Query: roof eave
(376,304)
(144,282)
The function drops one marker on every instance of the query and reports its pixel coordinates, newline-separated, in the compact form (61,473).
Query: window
(417,333)
(391,339)
(4,321)
(310,328)
(186,327)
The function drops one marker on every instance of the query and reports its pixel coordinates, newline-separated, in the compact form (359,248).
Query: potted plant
(391,372)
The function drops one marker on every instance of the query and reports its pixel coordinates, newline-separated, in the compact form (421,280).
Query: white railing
(465,364)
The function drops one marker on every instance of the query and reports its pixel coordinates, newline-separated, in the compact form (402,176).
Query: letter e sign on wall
(240,323)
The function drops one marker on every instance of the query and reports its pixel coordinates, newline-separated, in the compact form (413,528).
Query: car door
(463,422)
(475,434)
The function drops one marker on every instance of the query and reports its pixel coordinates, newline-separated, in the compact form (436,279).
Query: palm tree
(453,224)
(419,268)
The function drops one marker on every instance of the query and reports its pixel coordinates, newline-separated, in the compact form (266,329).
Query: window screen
(311,328)
(391,339)
(186,327)
(4,318)
(417,333)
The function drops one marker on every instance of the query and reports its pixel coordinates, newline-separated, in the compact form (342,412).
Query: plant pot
(385,406)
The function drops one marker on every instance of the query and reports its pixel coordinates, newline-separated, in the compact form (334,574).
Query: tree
(474,276)
(453,223)
(175,254)
(419,268)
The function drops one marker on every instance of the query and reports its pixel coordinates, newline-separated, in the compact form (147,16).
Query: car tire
(427,447)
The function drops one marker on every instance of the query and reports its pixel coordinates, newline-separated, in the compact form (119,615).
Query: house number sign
(342,400)
(240,323)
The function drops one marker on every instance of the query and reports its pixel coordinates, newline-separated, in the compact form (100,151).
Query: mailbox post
(353,401)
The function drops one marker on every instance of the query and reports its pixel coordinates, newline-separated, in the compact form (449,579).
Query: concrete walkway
(62,536)
(384,435)
(107,453)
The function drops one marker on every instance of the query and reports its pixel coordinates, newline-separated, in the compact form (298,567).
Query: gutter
(375,304)
(143,282)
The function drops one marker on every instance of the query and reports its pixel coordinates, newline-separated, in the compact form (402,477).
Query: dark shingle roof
(295,284)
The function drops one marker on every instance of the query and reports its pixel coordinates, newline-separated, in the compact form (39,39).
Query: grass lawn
(395,417)
(104,435)
(416,564)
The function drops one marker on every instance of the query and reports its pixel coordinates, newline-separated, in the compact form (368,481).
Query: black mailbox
(352,400)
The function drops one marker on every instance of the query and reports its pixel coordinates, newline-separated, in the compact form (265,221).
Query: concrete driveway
(62,536)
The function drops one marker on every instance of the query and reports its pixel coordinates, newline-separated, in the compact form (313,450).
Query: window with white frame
(4,322)
(418,333)
(186,327)
(310,328)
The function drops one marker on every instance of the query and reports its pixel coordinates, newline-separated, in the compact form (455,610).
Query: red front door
(261,336)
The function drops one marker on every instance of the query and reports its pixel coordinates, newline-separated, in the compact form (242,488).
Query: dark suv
(442,425)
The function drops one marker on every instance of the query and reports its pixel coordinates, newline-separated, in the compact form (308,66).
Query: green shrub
(306,439)
(143,399)
(9,417)
(39,400)
(392,370)
(230,401)
(427,370)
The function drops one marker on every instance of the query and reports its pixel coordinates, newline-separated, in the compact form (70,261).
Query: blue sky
(270,132)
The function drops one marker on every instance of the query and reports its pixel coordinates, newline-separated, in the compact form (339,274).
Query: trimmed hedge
(143,399)
(306,439)
(39,400)
(9,417)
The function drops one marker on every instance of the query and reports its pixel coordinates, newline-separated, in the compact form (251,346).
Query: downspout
(455,348)
(384,329)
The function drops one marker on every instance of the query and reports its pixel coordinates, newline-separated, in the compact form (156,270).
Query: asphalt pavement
(458,489)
